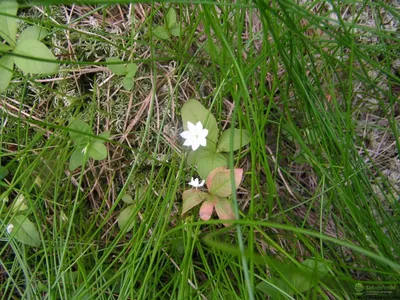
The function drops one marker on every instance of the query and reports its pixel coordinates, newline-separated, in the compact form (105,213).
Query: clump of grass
(315,84)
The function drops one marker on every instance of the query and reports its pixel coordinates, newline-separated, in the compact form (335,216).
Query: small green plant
(30,51)
(170,27)
(86,144)
(210,156)
(219,187)
(125,217)
(118,67)
(298,279)
(126,220)
(19,226)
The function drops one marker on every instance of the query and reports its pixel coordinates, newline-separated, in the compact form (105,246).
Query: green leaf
(8,25)
(77,158)
(35,50)
(170,18)
(5,48)
(316,269)
(275,288)
(207,161)
(83,134)
(25,231)
(97,150)
(33,32)
(212,49)
(191,198)
(298,278)
(199,154)
(304,278)
(131,69)
(192,157)
(161,33)
(41,287)
(175,31)
(127,82)
(3,172)
(6,71)
(70,277)
(127,199)
(117,66)
(240,139)
(104,135)
(319,266)
(125,219)
(224,210)
(219,181)
(193,111)
(140,192)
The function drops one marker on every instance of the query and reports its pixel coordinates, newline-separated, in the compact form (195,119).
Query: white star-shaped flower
(10,228)
(195,183)
(195,135)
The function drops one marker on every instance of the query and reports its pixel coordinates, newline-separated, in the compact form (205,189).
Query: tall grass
(299,77)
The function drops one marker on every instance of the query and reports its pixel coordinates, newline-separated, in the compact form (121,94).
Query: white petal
(188,142)
(199,126)
(186,134)
(195,183)
(195,145)
(191,127)
(202,141)
(204,132)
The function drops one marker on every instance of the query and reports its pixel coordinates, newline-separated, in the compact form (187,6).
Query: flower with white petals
(195,183)
(10,228)
(195,136)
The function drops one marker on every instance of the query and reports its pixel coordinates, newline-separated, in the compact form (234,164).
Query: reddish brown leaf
(224,210)
(219,181)
(238,176)
(206,210)
(211,176)
(191,198)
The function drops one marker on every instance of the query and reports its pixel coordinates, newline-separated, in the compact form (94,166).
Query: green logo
(358,288)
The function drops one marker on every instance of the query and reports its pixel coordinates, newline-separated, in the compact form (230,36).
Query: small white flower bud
(10,228)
